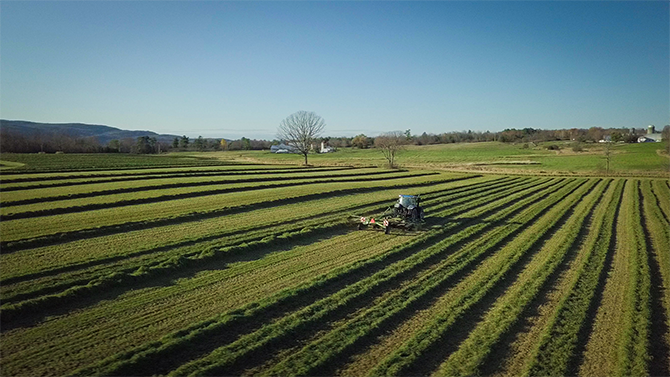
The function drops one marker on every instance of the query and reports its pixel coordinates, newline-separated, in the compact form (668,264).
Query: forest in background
(72,140)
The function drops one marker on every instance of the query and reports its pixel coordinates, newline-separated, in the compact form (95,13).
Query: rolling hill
(102,133)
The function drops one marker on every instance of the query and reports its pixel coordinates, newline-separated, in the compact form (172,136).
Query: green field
(627,159)
(220,265)
(9,162)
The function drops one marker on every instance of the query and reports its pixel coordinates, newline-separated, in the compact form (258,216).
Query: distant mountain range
(102,133)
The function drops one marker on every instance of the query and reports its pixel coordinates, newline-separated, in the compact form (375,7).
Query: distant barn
(283,148)
(651,137)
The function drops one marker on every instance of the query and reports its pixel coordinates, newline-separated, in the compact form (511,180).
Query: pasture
(208,266)
(646,159)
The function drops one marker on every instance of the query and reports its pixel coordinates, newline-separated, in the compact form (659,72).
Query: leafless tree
(300,130)
(608,156)
(390,144)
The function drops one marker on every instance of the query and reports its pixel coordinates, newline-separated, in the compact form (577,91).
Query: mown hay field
(627,160)
(258,270)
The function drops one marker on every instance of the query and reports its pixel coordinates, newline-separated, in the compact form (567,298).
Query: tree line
(15,142)
(35,143)
(525,135)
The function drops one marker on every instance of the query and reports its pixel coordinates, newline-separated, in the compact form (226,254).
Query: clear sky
(233,69)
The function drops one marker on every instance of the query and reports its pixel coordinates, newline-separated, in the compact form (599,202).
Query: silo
(651,129)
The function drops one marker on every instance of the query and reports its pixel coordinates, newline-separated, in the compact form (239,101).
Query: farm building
(651,136)
(282,148)
(325,149)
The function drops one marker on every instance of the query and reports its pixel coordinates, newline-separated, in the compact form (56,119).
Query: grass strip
(85,179)
(163,194)
(657,237)
(633,350)
(558,341)
(46,195)
(256,203)
(148,355)
(193,248)
(219,360)
(198,255)
(472,354)
(475,286)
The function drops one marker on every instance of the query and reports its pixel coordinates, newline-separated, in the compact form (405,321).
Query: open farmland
(628,160)
(257,270)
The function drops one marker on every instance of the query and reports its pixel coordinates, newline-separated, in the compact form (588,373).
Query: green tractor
(406,213)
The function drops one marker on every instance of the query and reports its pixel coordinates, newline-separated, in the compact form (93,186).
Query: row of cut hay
(88,162)
(51,194)
(474,287)
(39,179)
(31,264)
(657,237)
(38,299)
(144,353)
(176,192)
(120,322)
(475,350)
(618,344)
(219,360)
(35,231)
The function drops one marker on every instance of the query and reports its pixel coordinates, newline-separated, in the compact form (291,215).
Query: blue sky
(233,69)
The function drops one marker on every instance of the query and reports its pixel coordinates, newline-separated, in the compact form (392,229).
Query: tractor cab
(408,201)
(408,208)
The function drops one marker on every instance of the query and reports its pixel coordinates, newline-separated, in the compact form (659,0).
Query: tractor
(408,208)
(406,213)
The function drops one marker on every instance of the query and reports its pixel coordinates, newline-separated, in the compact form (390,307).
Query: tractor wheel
(387,230)
(415,215)
(360,226)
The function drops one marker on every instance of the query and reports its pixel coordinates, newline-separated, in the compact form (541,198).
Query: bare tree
(608,156)
(300,129)
(390,144)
